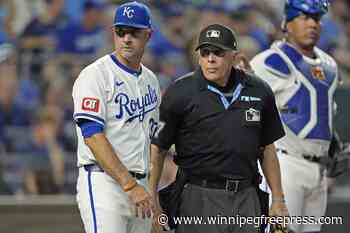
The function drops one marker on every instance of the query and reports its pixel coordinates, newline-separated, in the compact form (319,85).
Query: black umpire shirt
(216,136)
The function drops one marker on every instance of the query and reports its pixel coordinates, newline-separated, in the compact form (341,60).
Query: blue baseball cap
(294,8)
(133,14)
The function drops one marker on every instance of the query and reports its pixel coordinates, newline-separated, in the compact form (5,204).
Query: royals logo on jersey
(134,108)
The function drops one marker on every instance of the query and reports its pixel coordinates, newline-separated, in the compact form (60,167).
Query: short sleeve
(272,128)
(89,96)
(170,115)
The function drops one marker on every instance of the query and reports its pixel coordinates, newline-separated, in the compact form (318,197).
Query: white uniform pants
(104,206)
(305,190)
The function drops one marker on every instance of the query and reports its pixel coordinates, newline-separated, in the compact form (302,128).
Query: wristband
(279,200)
(130,185)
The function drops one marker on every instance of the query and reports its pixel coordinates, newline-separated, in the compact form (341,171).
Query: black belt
(322,160)
(138,176)
(282,151)
(312,158)
(229,185)
(96,168)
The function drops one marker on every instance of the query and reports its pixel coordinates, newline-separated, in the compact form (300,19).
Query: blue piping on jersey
(224,101)
(92,202)
(89,116)
(133,72)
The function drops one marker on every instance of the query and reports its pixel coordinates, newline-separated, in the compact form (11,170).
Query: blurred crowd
(44,44)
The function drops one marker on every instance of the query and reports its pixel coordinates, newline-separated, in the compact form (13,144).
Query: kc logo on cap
(213,33)
(128,12)
(133,14)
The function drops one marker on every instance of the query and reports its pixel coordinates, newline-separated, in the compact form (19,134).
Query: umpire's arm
(271,169)
(170,115)
(157,163)
(272,130)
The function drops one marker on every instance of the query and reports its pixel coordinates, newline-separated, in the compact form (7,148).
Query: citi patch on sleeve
(90,104)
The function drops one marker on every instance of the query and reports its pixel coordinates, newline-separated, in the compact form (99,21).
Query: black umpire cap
(218,35)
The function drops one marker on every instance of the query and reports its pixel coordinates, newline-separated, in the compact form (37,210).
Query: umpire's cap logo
(219,36)
(213,33)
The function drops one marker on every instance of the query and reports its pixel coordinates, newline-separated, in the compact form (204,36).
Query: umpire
(219,119)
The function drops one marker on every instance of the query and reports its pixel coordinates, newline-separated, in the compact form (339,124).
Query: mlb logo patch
(90,104)
(213,33)
(252,115)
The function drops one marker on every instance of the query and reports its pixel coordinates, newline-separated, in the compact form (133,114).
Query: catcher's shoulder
(272,62)
(326,58)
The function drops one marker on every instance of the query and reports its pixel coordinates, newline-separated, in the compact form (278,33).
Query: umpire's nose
(211,57)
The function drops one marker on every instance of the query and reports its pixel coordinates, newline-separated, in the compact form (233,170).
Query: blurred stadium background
(45,43)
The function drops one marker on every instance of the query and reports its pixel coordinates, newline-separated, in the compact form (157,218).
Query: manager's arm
(109,161)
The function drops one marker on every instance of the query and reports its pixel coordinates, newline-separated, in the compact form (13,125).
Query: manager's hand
(142,201)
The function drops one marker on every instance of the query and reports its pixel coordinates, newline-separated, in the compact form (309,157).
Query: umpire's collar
(237,74)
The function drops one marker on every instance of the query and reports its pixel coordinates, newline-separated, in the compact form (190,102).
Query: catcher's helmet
(294,8)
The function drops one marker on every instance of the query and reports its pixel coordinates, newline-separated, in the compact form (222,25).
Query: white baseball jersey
(304,90)
(125,103)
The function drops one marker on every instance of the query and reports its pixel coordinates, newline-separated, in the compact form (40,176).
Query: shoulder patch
(277,64)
